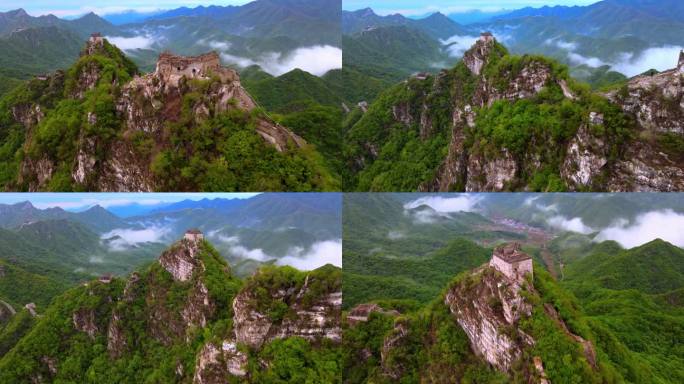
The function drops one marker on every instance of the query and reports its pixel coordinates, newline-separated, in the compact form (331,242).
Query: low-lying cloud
(396,235)
(461,203)
(660,58)
(441,207)
(666,225)
(457,45)
(131,237)
(318,255)
(574,224)
(627,63)
(132,43)
(573,56)
(317,60)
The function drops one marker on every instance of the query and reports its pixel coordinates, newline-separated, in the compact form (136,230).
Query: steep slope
(634,296)
(391,52)
(486,327)
(101,127)
(33,51)
(191,320)
(499,122)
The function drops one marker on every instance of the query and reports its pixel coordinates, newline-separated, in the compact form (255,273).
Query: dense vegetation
(634,296)
(223,152)
(435,350)
(390,154)
(148,311)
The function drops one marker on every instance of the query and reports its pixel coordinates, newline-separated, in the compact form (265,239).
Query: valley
(424,299)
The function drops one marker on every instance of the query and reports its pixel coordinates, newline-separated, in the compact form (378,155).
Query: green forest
(153,344)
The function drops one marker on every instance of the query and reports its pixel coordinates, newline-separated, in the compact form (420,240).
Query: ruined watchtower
(680,64)
(193,235)
(171,68)
(486,37)
(510,260)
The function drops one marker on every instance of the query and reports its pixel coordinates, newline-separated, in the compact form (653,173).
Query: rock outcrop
(216,362)
(656,100)
(181,260)
(488,312)
(6,312)
(84,321)
(599,155)
(144,106)
(319,319)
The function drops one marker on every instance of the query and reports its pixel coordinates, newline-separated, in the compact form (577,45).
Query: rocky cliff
(105,127)
(486,327)
(191,319)
(275,305)
(500,122)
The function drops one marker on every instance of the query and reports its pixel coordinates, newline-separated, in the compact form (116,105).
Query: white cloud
(320,254)
(573,56)
(396,235)
(462,203)
(456,45)
(574,224)
(218,45)
(317,60)
(660,58)
(576,58)
(132,237)
(562,44)
(246,253)
(130,43)
(666,225)
(528,202)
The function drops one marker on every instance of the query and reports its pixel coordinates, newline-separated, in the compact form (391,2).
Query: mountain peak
(181,259)
(25,205)
(477,56)
(18,12)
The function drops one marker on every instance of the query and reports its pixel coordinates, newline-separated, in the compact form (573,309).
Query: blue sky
(422,7)
(81,201)
(69,8)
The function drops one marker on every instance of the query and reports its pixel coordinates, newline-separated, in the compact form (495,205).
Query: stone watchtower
(680,64)
(486,37)
(171,68)
(510,260)
(96,38)
(193,235)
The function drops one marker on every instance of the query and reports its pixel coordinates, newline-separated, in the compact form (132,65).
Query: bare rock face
(181,260)
(215,363)
(645,169)
(393,340)
(84,321)
(320,319)
(6,312)
(199,306)
(491,174)
(585,157)
(116,339)
(488,312)
(657,101)
(478,55)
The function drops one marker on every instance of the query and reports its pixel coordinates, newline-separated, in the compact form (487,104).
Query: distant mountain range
(56,245)
(599,42)
(263,32)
